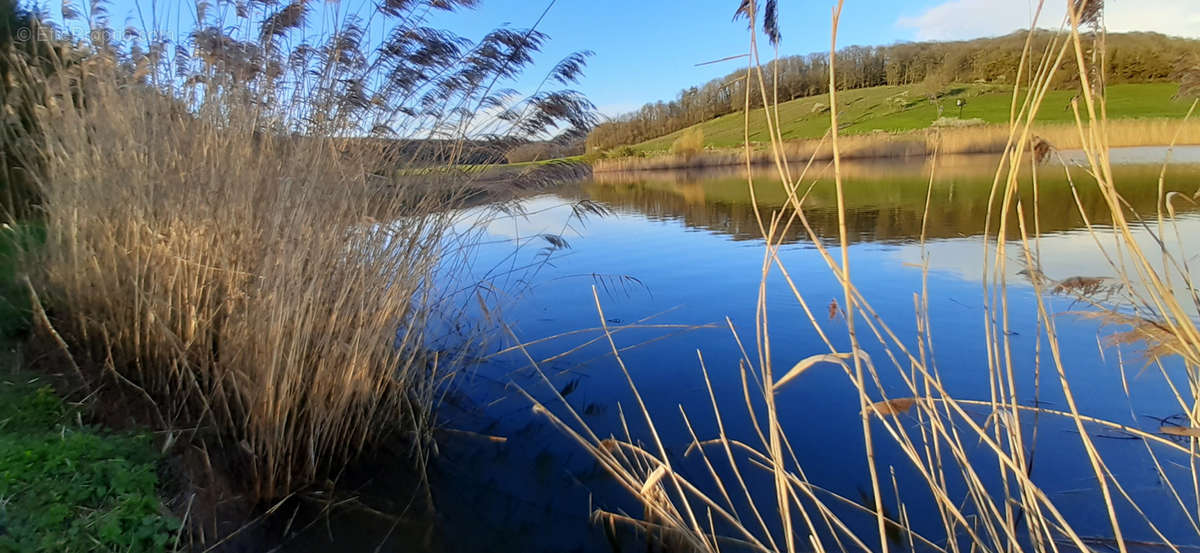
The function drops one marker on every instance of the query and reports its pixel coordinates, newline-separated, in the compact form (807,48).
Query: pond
(675,260)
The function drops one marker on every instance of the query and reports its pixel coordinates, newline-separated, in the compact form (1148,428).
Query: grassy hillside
(905,108)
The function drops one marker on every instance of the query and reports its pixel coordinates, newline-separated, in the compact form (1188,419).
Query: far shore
(981,139)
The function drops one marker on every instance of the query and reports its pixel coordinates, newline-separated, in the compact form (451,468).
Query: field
(904,108)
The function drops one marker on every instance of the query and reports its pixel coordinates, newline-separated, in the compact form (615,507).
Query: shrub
(533,151)
(689,143)
(624,151)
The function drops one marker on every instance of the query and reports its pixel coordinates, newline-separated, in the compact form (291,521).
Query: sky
(648,50)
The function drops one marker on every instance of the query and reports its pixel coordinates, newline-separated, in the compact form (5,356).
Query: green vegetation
(925,67)
(538,163)
(65,486)
(903,108)
(68,487)
(972,459)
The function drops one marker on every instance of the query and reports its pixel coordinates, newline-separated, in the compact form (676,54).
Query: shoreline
(983,139)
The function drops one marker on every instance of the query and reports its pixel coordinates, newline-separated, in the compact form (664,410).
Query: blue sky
(647,50)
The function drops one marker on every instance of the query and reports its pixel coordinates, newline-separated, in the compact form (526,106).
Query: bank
(972,139)
(66,482)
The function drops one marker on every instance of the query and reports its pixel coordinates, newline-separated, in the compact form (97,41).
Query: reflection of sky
(545,214)
(1140,154)
(655,261)
(702,276)
(1069,254)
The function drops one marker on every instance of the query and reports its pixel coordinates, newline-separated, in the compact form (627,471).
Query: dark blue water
(682,251)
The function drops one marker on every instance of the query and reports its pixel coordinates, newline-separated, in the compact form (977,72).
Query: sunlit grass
(970,459)
(920,144)
(898,109)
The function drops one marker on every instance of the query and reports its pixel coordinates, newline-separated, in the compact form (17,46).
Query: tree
(1133,57)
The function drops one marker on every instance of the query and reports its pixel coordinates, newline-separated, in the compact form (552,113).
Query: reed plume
(973,460)
(234,226)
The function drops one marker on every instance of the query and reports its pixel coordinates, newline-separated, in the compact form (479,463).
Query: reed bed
(242,282)
(992,139)
(228,230)
(972,457)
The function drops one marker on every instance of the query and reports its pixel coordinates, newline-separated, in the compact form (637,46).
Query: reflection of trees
(885,199)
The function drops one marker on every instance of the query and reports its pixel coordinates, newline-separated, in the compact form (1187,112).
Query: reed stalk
(250,221)
(974,456)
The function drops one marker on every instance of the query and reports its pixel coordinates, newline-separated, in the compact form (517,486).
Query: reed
(243,282)
(228,230)
(973,456)
(946,141)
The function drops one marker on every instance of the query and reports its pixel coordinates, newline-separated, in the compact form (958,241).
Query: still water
(677,260)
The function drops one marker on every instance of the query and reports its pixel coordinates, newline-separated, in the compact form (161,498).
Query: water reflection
(533,491)
(885,199)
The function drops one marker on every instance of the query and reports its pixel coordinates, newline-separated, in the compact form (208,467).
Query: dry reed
(229,232)
(974,471)
(243,280)
(920,144)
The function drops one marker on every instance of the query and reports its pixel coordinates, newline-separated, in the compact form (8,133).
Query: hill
(924,67)
(904,108)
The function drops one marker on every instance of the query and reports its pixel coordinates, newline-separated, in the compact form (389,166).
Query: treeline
(486,150)
(1130,58)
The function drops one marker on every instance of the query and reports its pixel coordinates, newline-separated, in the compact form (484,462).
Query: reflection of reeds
(1155,338)
(973,459)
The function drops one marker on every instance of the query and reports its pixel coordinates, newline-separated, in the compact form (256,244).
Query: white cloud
(963,19)
(1062,255)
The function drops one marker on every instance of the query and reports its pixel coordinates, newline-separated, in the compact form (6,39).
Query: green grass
(541,162)
(65,486)
(904,108)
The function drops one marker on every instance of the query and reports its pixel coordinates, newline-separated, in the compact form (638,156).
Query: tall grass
(244,282)
(972,458)
(227,231)
(946,141)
